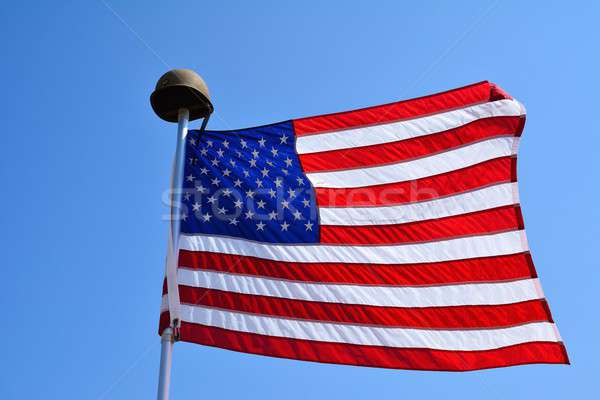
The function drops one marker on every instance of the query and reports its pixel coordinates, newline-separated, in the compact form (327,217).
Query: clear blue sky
(85,163)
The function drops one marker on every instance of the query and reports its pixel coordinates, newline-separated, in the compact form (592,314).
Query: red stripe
(475,223)
(452,99)
(499,170)
(485,269)
(163,321)
(374,356)
(405,150)
(459,317)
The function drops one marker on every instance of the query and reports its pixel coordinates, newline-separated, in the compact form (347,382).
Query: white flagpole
(181,93)
(164,375)
(168,337)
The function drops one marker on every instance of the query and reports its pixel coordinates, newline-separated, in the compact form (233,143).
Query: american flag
(389,236)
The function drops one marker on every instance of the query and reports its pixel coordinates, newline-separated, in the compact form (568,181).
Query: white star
(226,144)
(278,182)
(284,139)
(204,151)
(238,203)
(246,173)
(227,192)
(285,171)
(192,141)
(272,193)
(233,221)
(272,215)
(226,172)
(204,171)
(206,217)
(270,163)
(220,152)
(196,207)
(288,162)
(292,193)
(190,178)
(260,226)
(264,172)
(306,202)
(285,204)
(284,226)
(261,204)
(253,162)
(187,196)
(215,162)
(297,215)
(232,163)
(237,182)
(209,143)
(211,199)
(249,214)
(238,153)
(215,181)
(193,160)
(308,226)
(184,216)
(222,210)
(262,142)
(258,182)
(274,151)
(250,193)
(200,189)
(300,181)
(255,153)
(243,143)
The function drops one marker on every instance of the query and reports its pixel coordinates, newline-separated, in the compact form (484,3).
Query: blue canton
(248,183)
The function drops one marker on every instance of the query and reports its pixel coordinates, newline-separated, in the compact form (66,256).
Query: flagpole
(180,96)
(164,375)
(168,338)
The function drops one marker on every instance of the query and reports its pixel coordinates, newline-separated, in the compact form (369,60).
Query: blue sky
(85,163)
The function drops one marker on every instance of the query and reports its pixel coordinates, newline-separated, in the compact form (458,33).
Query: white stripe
(484,339)
(384,296)
(477,200)
(444,250)
(164,304)
(396,131)
(420,168)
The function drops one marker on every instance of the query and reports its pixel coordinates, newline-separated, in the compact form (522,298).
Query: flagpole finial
(181,88)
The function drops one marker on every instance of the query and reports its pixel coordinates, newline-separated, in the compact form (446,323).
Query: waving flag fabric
(388,237)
